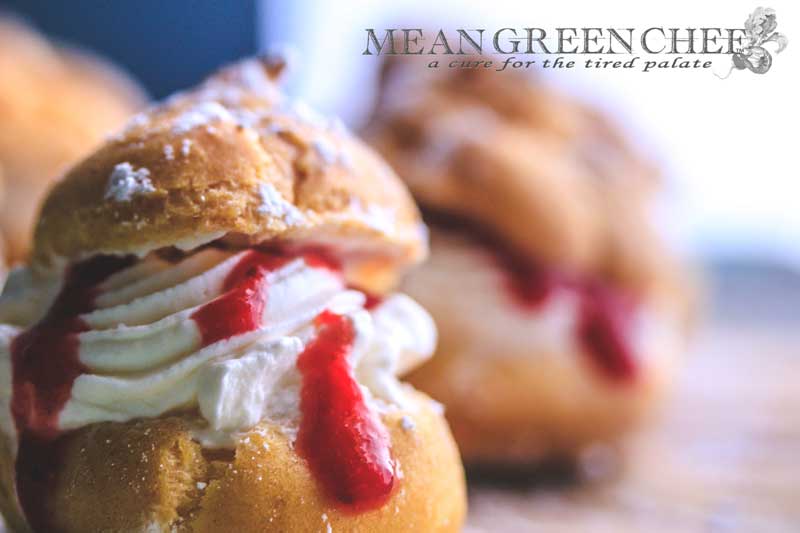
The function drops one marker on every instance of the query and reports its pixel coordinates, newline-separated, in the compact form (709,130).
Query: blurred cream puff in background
(56,104)
(561,312)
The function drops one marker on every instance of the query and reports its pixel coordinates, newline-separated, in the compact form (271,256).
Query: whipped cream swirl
(145,351)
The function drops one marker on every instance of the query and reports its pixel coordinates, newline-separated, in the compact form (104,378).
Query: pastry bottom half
(528,409)
(150,475)
(516,384)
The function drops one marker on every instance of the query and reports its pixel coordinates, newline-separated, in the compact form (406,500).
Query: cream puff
(206,338)
(56,105)
(560,312)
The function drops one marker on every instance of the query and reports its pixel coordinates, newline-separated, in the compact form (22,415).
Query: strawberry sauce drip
(45,357)
(345,444)
(241,308)
(45,364)
(604,325)
(605,312)
(372,301)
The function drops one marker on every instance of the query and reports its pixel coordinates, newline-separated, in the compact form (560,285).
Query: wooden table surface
(724,456)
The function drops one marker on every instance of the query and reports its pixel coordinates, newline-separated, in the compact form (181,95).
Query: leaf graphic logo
(759,31)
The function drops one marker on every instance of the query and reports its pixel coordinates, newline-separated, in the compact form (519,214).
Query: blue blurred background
(727,147)
(165,45)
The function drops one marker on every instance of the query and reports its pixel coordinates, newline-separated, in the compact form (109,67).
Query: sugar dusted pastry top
(233,158)
(553,178)
(509,151)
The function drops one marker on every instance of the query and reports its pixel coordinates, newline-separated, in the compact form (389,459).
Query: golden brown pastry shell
(210,184)
(121,477)
(526,408)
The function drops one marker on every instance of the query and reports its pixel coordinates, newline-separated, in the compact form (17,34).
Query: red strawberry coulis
(344,443)
(605,312)
(341,439)
(45,364)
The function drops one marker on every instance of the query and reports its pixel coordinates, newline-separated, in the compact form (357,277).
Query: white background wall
(731,148)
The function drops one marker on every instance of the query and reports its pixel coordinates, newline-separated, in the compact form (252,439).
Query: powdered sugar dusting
(407,424)
(326,149)
(201,115)
(330,153)
(328,528)
(304,113)
(140,119)
(383,219)
(273,204)
(186,147)
(169,152)
(125,182)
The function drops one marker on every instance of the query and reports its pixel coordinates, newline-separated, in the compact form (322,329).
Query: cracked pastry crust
(149,475)
(232,158)
(56,104)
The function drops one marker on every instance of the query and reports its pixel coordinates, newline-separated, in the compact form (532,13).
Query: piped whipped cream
(155,341)
(535,311)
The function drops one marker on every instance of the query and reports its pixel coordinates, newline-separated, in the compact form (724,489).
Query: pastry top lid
(232,160)
(509,151)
